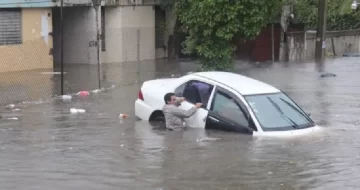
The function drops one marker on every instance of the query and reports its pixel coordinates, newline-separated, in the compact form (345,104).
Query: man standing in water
(173,114)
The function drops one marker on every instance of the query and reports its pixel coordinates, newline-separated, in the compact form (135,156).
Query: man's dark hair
(167,97)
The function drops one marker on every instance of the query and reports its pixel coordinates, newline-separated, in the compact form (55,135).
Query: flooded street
(50,148)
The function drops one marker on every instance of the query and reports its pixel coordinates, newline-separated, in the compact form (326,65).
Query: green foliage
(212,25)
(340,16)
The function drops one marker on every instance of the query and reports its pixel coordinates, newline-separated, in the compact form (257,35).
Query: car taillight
(141,97)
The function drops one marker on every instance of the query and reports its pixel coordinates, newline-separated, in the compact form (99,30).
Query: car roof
(244,85)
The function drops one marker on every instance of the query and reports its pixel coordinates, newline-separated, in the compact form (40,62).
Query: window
(228,108)
(10,26)
(103,44)
(195,92)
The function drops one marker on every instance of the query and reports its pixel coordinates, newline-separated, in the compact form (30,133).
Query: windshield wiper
(295,125)
(296,109)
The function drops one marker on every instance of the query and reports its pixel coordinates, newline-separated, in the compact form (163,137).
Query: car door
(190,91)
(228,113)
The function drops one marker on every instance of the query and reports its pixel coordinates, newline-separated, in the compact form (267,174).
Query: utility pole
(321,31)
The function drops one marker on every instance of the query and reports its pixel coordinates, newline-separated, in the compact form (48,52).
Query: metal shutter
(159,27)
(10,26)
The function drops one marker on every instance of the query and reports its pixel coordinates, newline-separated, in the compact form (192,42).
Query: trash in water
(207,139)
(10,106)
(123,116)
(328,75)
(83,93)
(66,97)
(15,110)
(75,110)
(96,91)
(51,73)
(13,118)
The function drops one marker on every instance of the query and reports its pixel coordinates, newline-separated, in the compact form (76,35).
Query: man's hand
(181,99)
(198,105)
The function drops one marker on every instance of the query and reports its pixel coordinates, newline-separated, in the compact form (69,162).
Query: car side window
(228,108)
(195,92)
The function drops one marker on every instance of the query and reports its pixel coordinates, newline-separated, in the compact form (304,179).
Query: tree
(340,15)
(211,25)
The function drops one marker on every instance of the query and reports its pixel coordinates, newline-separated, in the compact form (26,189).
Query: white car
(230,102)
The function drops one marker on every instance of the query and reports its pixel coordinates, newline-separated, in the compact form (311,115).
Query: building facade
(116,31)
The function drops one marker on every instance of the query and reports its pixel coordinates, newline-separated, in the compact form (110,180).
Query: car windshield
(278,112)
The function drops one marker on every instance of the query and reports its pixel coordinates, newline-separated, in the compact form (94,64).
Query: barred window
(10,26)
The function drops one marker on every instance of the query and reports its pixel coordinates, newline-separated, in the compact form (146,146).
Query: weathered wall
(34,52)
(129,33)
(340,42)
(344,42)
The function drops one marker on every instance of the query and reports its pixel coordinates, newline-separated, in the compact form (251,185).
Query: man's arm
(183,113)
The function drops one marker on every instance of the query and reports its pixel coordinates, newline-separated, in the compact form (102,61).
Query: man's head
(170,98)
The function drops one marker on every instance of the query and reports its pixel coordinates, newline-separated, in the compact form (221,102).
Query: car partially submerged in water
(231,102)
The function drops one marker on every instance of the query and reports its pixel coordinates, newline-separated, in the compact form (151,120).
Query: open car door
(191,93)
(228,113)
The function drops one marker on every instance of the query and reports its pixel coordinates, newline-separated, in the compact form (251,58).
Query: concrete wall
(79,32)
(344,42)
(340,42)
(129,33)
(34,52)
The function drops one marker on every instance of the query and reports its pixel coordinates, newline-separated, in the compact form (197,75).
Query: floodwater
(49,148)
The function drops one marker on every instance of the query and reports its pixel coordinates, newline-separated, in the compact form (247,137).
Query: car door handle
(212,118)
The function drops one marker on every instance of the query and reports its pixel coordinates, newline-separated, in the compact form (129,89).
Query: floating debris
(75,110)
(13,118)
(328,75)
(66,97)
(96,91)
(123,116)
(51,73)
(10,106)
(207,139)
(83,93)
